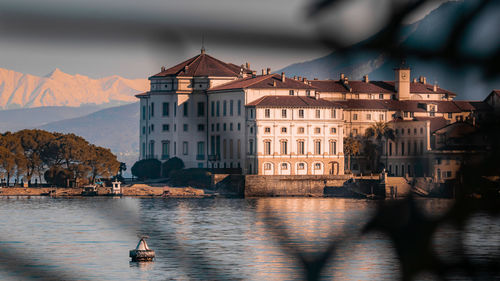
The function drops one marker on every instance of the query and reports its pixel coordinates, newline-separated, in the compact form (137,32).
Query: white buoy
(142,252)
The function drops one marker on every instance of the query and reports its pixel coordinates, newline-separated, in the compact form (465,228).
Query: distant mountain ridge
(18,90)
(28,118)
(428,33)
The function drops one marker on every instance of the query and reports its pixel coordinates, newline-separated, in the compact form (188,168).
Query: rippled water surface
(89,238)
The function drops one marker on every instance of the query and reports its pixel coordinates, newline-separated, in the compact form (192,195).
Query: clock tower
(402,81)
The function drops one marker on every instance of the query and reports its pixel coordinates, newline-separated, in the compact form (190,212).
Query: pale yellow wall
(292,136)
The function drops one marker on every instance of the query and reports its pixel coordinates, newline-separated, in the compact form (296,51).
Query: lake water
(90,238)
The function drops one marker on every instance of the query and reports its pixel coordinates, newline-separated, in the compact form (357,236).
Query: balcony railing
(200,157)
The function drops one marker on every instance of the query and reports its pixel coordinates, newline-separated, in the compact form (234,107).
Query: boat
(89,190)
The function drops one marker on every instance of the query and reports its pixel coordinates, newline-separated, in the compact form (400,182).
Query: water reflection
(202,239)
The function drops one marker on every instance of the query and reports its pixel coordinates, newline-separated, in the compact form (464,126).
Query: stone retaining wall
(266,186)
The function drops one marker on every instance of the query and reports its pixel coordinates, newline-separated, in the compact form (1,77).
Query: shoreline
(137,190)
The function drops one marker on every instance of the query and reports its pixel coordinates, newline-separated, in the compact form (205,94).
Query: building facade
(203,111)
(213,114)
(295,135)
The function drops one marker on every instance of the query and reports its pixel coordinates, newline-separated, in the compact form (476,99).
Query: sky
(133,39)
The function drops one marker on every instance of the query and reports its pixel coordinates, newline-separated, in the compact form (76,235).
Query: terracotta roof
(292,101)
(145,94)
(329,86)
(202,65)
(403,105)
(371,87)
(436,123)
(495,92)
(263,82)
(364,104)
(481,105)
(456,130)
(374,87)
(464,105)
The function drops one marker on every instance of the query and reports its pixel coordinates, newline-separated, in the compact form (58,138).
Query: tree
(12,144)
(379,131)
(7,163)
(123,167)
(171,165)
(101,162)
(55,156)
(58,176)
(33,142)
(351,147)
(147,169)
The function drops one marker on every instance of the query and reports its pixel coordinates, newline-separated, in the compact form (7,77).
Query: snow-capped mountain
(18,90)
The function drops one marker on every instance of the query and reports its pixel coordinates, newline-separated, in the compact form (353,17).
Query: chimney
(315,78)
(274,83)
(186,68)
(294,77)
(346,80)
(342,76)
(263,72)
(309,83)
(435,86)
(304,80)
(425,80)
(316,95)
(299,78)
(268,70)
(365,79)
(247,65)
(283,77)
(414,80)
(162,68)
(422,80)
(254,74)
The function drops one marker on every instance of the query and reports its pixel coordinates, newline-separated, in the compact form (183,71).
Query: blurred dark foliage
(388,39)
(409,229)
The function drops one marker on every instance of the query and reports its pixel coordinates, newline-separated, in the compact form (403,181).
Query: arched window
(284,166)
(317,166)
(267,166)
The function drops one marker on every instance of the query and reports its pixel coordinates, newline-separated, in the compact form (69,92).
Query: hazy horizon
(57,34)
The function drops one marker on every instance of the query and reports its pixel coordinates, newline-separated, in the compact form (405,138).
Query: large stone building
(215,114)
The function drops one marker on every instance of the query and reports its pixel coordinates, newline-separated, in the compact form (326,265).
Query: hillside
(18,90)
(430,32)
(116,128)
(27,118)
